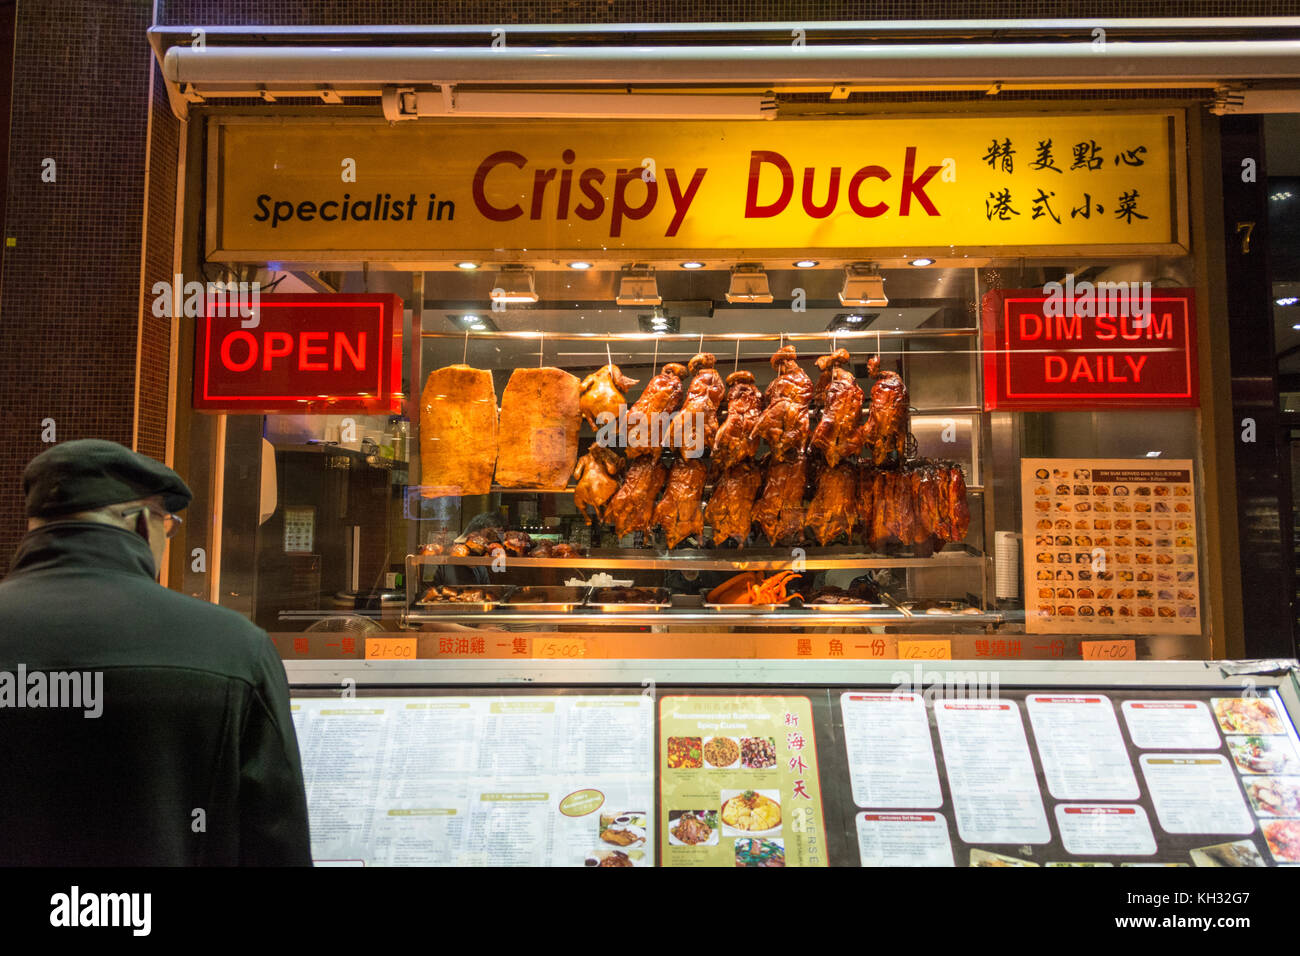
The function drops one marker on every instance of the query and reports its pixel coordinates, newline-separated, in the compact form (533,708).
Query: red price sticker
(559,649)
(1109,650)
(390,649)
(925,650)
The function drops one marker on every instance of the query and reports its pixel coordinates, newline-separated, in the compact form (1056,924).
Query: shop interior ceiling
(1243,64)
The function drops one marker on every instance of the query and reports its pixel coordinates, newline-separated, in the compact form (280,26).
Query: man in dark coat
(138,726)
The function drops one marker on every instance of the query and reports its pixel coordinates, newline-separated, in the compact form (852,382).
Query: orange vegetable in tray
(750,587)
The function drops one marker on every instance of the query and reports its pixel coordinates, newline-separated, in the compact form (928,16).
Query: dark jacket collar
(73,545)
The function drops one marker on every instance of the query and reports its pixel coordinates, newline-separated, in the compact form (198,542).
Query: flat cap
(89,473)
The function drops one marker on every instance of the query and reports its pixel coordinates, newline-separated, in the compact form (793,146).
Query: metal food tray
(497,592)
(663,595)
(748,608)
(547,599)
(846,607)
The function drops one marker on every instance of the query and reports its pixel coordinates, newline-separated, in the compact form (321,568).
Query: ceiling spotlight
(693,264)
(749,284)
(1287,300)
(637,286)
(469,319)
(579,265)
(805,263)
(923,261)
(514,283)
(467,265)
(863,286)
(1153,454)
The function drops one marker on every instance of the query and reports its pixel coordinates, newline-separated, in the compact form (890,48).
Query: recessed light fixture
(923,261)
(514,283)
(863,286)
(805,263)
(658,322)
(478,327)
(1287,300)
(467,265)
(749,284)
(693,264)
(1153,454)
(469,319)
(637,286)
(580,265)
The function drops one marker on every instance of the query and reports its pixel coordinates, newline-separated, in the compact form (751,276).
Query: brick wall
(70,290)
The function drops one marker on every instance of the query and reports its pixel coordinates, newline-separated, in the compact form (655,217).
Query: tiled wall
(70,290)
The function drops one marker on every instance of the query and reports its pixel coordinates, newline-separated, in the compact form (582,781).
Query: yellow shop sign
(310,189)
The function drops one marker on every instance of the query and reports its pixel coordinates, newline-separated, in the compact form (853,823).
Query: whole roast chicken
(632,506)
(603,392)
(786,406)
(733,444)
(730,510)
(779,512)
(838,434)
(680,511)
(647,420)
(834,507)
(597,474)
(694,427)
(885,430)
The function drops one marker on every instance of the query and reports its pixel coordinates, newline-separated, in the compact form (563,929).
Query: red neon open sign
(310,354)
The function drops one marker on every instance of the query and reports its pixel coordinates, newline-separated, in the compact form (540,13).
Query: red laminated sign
(1084,346)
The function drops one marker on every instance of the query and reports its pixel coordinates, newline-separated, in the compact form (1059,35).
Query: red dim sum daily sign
(310,354)
(1080,347)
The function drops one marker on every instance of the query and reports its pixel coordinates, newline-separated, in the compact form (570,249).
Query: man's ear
(142,524)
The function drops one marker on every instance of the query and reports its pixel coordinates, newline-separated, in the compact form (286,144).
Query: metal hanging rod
(716,336)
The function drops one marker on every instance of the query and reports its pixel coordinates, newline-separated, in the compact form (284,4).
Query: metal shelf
(692,560)
(708,336)
(793,617)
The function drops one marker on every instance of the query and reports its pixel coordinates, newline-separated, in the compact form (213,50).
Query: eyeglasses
(171,522)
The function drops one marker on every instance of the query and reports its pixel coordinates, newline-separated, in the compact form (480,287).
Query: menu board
(1126,778)
(739,783)
(1110,546)
(1264,754)
(479,781)
(994,787)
